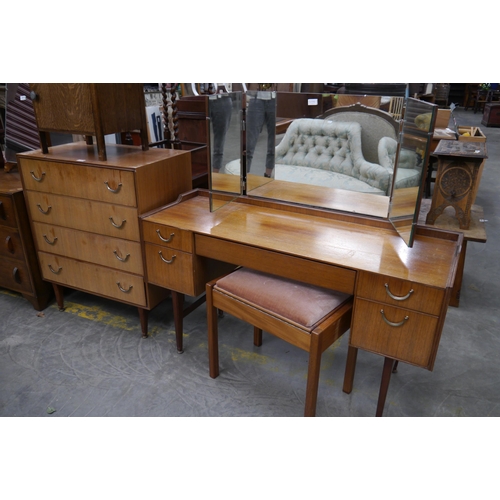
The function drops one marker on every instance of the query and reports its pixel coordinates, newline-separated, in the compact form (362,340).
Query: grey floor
(90,360)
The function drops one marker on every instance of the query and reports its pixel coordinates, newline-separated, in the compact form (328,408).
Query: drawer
(7,212)
(10,243)
(412,337)
(167,236)
(14,275)
(397,292)
(92,278)
(80,181)
(170,268)
(81,245)
(102,218)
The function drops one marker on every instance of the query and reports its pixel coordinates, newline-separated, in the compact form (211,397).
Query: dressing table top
(337,239)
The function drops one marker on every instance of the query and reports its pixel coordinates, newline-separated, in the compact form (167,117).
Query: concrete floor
(90,359)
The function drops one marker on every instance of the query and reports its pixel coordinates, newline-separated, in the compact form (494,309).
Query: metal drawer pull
(123,289)
(15,275)
(390,323)
(119,258)
(119,226)
(48,241)
(395,297)
(166,240)
(42,210)
(9,244)
(55,272)
(165,260)
(111,189)
(38,179)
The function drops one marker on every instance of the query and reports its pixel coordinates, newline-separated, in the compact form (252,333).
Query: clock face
(456,181)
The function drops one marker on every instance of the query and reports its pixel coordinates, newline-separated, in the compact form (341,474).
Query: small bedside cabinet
(19,269)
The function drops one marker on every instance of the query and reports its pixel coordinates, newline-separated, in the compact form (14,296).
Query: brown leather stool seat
(306,316)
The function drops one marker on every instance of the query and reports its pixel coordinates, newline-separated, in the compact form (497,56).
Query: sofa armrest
(375,175)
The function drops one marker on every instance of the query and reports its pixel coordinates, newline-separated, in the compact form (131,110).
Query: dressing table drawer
(167,236)
(14,275)
(171,268)
(400,293)
(7,213)
(80,181)
(10,243)
(394,332)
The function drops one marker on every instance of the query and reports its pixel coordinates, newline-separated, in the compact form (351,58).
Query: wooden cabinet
(89,109)
(85,216)
(19,269)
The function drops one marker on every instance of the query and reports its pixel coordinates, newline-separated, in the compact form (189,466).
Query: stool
(306,316)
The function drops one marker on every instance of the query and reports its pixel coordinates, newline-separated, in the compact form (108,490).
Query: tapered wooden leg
(395,367)
(144,316)
(59,293)
(257,336)
(384,385)
(313,376)
(213,334)
(101,147)
(178,305)
(350,368)
(44,142)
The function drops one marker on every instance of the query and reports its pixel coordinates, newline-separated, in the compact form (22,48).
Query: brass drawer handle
(395,297)
(390,323)
(38,179)
(119,226)
(165,260)
(55,272)
(119,258)
(9,244)
(123,289)
(15,275)
(53,242)
(45,212)
(113,190)
(166,240)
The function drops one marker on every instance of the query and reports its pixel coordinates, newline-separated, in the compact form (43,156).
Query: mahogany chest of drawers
(19,269)
(85,216)
(491,115)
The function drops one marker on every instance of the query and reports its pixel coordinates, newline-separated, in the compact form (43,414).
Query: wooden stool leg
(350,368)
(257,336)
(384,385)
(213,334)
(178,306)
(313,376)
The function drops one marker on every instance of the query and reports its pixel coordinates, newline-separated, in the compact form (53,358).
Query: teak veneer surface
(322,239)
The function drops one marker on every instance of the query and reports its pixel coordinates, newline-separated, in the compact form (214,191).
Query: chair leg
(257,336)
(313,376)
(213,336)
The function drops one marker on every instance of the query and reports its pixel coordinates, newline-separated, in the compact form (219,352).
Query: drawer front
(7,212)
(80,181)
(14,275)
(412,336)
(10,243)
(97,249)
(92,278)
(170,268)
(102,218)
(167,236)
(400,293)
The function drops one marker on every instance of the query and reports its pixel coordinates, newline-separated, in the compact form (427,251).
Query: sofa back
(332,146)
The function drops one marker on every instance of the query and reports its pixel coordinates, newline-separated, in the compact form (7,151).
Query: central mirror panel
(351,158)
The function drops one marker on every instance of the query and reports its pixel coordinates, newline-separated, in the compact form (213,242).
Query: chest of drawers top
(129,176)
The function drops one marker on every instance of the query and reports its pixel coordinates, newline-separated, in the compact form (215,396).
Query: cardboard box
(442,118)
(475,134)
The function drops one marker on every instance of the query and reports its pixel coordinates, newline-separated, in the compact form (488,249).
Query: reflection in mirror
(225,147)
(411,162)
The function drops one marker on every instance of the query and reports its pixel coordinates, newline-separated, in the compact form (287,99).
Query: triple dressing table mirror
(248,158)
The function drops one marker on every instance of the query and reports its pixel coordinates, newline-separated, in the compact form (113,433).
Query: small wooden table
(457,178)
(448,222)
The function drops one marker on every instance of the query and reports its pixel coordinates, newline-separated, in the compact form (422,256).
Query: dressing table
(400,274)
